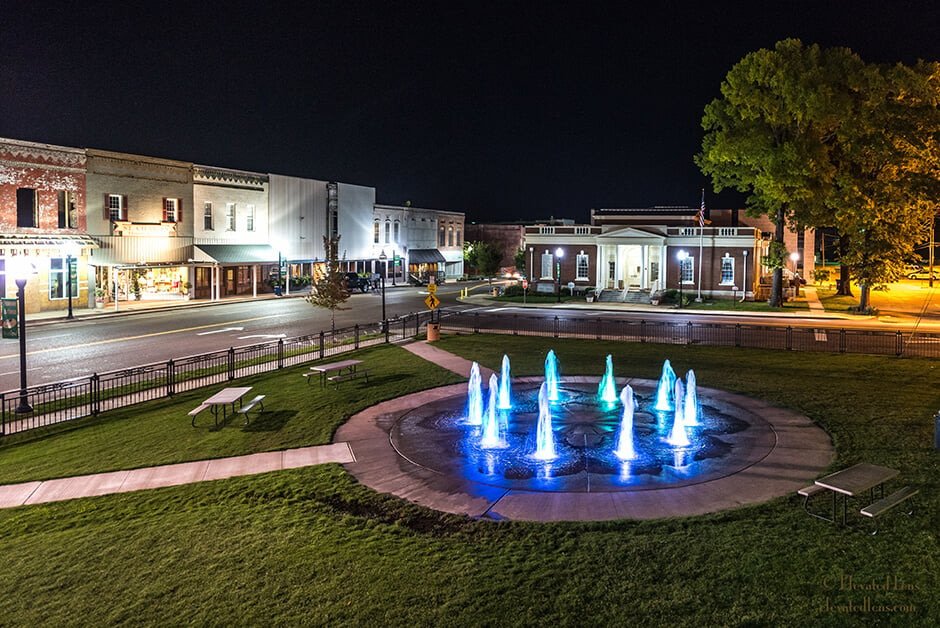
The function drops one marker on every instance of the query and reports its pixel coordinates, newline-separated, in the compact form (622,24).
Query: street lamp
(21,273)
(383,259)
(70,254)
(559,253)
(795,257)
(681,256)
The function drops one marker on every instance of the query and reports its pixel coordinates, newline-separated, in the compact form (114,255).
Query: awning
(235,253)
(425,256)
(46,241)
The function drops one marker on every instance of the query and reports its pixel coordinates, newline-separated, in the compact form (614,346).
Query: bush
(513,290)
(669,296)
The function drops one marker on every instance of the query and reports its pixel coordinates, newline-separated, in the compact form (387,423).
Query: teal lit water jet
(664,393)
(678,436)
(491,437)
(607,389)
(505,386)
(475,397)
(691,400)
(551,376)
(544,436)
(625,449)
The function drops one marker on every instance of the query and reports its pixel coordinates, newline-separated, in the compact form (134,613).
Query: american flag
(701,211)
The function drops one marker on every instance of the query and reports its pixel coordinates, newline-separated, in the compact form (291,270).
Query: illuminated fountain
(490,438)
(544,437)
(475,397)
(625,448)
(551,376)
(577,442)
(607,389)
(664,393)
(505,386)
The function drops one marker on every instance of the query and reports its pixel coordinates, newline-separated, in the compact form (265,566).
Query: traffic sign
(432,302)
(432,288)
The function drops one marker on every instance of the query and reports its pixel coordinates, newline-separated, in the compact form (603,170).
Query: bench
(245,409)
(808,491)
(196,411)
(885,504)
(336,379)
(309,375)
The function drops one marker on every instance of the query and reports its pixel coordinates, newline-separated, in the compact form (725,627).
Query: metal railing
(86,396)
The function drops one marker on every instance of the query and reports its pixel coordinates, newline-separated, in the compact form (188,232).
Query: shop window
(115,207)
(27,208)
(207,216)
(57,286)
(66,210)
(250,217)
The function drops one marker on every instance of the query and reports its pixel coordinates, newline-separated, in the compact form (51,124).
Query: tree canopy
(818,138)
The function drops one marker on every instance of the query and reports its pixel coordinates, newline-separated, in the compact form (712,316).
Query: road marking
(113,340)
(263,336)
(219,331)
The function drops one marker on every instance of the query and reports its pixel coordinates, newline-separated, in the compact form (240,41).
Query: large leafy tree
(767,135)
(484,256)
(329,286)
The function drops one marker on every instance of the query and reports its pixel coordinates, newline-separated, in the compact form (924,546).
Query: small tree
(519,260)
(329,288)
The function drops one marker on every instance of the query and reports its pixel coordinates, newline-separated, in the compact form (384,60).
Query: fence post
(280,353)
(515,324)
(688,327)
(321,346)
(900,344)
(597,332)
(231,362)
(842,340)
(170,378)
(555,327)
(476,323)
(642,330)
(789,338)
(95,393)
(737,335)
(356,335)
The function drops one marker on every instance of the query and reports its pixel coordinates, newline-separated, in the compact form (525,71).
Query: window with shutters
(171,210)
(115,207)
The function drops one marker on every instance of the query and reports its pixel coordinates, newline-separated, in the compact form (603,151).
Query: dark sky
(502,110)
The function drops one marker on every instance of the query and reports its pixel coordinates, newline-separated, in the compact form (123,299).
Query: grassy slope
(310,546)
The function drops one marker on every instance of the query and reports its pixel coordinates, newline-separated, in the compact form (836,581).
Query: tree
(519,260)
(483,256)
(329,287)
(766,135)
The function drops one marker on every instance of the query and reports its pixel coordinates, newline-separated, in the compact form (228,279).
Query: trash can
(495,292)
(277,291)
(434,332)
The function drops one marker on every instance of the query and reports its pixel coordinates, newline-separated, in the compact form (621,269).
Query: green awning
(235,253)
(425,256)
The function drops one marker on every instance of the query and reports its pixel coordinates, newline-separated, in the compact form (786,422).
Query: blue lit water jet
(475,396)
(664,393)
(691,399)
(490,438)
(544,436)
(607,389)
(551,376)
(505,386)
(625,449)
(678,436)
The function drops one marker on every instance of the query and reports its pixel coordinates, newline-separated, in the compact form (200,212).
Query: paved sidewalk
(170,475)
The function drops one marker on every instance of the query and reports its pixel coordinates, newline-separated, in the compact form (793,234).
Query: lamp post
(383,259)
(795,257)
(744,296)
(21,276)
(681,256)
(559,253)
(70,256)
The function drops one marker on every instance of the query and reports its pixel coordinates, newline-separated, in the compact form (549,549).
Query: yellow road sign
(432,302)
(432,288)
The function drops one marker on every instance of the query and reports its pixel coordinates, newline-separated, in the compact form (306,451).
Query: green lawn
(312,547)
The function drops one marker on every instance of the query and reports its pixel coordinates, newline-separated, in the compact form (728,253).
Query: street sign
(432,288)
(432,302)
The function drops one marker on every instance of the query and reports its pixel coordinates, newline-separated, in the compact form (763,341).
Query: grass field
(312,547)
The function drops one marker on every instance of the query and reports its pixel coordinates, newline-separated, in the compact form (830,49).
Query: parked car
(923,273)
(355,281)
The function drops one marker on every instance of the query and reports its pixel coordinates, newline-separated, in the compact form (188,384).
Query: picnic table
(855,481)
(349,366)
(225,398)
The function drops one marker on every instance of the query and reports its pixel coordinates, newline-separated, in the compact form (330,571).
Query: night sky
(502,110)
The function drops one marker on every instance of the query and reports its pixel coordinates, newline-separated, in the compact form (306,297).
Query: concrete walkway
(170,475)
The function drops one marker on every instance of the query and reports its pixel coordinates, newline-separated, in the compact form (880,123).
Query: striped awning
(23,243)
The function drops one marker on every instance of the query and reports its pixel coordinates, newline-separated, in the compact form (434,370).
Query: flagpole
(701,239)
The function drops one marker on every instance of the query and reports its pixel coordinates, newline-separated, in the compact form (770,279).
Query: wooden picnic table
(855,481)
(325,369)
(223,399)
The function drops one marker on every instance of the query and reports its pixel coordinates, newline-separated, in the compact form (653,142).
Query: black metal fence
(85,396)
(786,338)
